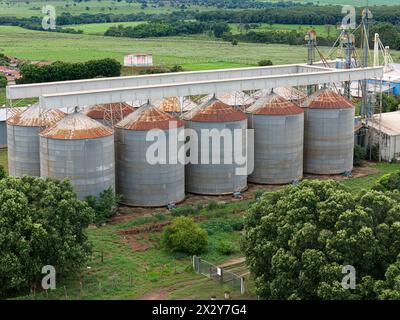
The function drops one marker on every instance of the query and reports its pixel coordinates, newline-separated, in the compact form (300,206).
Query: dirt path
(163,293)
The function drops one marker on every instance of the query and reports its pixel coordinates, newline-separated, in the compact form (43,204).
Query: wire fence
(222,275)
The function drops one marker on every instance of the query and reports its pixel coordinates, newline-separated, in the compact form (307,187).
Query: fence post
(242,287)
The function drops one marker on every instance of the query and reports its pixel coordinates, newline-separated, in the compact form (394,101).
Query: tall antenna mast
(366,108)
(311,39)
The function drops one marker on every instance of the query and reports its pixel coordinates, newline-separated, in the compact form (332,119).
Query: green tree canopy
(298,240)
(41,223)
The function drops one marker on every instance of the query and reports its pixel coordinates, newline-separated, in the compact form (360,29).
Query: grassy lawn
(360,183)
(125,274)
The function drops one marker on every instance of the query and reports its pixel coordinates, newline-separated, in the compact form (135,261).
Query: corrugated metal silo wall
(3,135)
(23,151)
(215,179)
(278,148)
(328,140)
(141,183)
(89,164)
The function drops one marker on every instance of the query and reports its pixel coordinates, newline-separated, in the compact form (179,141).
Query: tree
(105,205)
(297,241)
(42,223)
(3,81)
(220,28)
(62,71)
(184,235)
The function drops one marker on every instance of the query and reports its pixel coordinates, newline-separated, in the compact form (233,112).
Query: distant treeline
(289,14)
(314,15)
(389,33)
(62,71)
(164,29)
(157,29)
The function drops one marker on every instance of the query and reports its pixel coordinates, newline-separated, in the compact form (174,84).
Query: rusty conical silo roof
(34,116)
(274,105)
(327,99)
(98,112)
(215,111)
(149,117)
(76,126)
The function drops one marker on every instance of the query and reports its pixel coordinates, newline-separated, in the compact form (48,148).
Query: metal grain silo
(237,99)
(82,150)
(109,114)
(328,133)
(215,177)
(291,94)
(278,140)
(23,139)
(142,181)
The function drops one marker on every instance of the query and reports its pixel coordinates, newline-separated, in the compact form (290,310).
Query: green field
(40,45)
(100,28)
(33,8)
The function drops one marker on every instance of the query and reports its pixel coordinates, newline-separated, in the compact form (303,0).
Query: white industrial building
(138,60)
(388,124)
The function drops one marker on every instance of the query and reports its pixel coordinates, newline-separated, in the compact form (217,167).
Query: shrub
(3,173)
(105,206)
(265,63)
(359,155)
(226,248)
(3,81)
(184,235)
(388,182)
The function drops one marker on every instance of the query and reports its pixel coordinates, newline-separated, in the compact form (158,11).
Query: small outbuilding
(388,125)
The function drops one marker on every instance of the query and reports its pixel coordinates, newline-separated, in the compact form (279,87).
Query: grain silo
(278,140)
(23,139)
(109,114)
(82,150)
(328,133)
(142,180)
(215,175)
(175,105)
(237,99)
(7,113)
(291,94)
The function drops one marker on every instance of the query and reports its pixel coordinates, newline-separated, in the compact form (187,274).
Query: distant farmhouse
(138,60)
